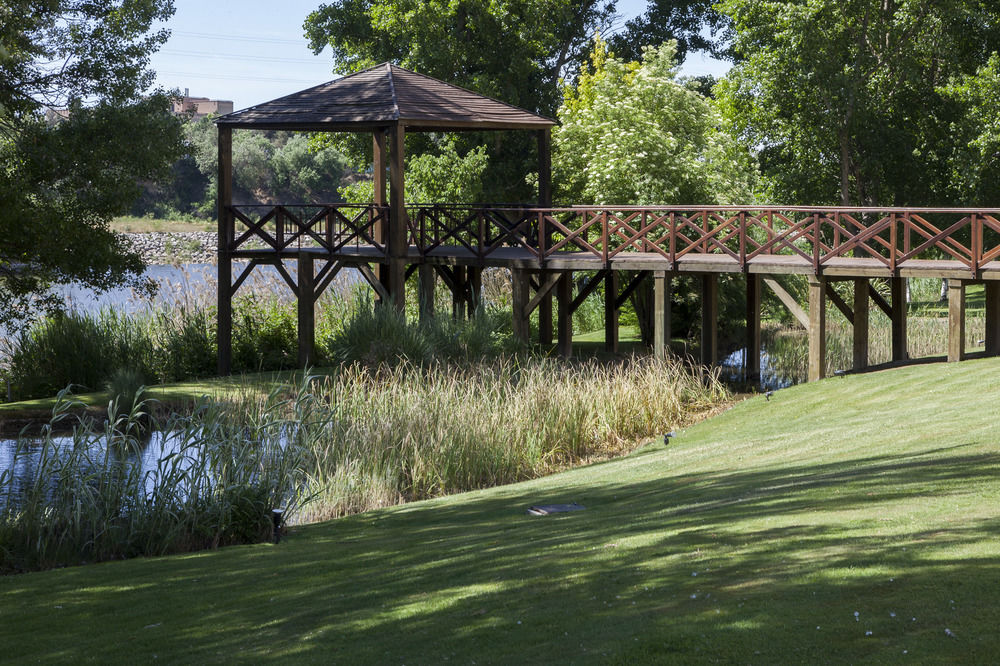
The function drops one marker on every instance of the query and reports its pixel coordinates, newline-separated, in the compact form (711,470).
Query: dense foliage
(848,102)
(61,183)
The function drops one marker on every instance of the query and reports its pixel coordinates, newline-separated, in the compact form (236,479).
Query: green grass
(754,537)
(129,224)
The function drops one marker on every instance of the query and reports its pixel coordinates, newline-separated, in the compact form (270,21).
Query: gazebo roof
(381,96)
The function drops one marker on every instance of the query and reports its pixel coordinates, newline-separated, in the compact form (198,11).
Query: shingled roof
(385,95)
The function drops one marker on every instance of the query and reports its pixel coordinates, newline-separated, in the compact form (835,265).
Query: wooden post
(661,314)
(861,307)
(992,289)
(427,284)
(458,297)
(545,201)
(611,312)
(709,318)
(306,301)
(897,287)
(565,298)
(751,354)
(224,323)
(398,239)
(475,289)
(956,320)
(381,231)
(519,300)
(817,328)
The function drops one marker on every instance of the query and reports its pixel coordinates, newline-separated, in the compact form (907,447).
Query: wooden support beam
(306,305)
(788,301)
(544,139)
(630,287)
(545,287)
(379,162)
(519,302)
(369,275)
(661,314)
(564,294)
(459,297)
(592,284)
(611,312)
(897,289)
(709,318)
(861,311)
(427,286)
(992,289)
(817,328)
(398,242)
(475,289)
(877,299)
(224,302)
(956,320)
(835,298)
(752,343)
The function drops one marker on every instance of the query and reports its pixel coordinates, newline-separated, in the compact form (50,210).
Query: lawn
(854,519)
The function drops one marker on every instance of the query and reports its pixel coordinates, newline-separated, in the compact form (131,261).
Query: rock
(197,247)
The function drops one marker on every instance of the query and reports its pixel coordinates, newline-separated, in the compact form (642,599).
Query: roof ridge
(392,89)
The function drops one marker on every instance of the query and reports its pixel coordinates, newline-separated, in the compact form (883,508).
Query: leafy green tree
(846,100)
(633,133)
(512,50)
(63,182)
(684,21)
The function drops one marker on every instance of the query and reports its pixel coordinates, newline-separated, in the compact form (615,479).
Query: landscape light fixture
(276,516)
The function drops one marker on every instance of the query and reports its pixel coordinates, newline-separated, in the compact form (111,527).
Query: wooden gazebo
(387,101)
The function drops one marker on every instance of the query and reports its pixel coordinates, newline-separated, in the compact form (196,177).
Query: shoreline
(175,247)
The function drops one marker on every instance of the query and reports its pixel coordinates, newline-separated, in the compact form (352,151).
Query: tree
(684,21)
(64,181)
(846,100)
(512,50)
(633,133)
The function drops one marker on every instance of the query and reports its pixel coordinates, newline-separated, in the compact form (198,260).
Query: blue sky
(253,51)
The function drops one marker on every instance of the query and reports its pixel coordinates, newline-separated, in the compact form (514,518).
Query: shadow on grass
(753,565)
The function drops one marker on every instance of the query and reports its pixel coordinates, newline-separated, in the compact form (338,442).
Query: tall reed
(409,432)
(87,499)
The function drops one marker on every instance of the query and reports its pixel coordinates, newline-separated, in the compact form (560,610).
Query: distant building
(199,107)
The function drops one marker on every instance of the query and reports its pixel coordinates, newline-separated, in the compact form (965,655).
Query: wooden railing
(330,227)
(888,237)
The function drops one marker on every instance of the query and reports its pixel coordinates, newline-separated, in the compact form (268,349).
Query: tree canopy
(64,181)
(633,133)
(847,101)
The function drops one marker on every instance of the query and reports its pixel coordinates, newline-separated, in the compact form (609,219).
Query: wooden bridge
(544,247)
(619,246)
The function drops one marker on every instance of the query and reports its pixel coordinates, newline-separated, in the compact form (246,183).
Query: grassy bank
(850,520)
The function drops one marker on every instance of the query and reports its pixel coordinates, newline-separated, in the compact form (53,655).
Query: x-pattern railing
(329,227)
(891,237)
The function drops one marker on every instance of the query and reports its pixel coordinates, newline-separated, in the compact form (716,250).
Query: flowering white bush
(632,133)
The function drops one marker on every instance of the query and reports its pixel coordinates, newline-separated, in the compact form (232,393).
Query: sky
(252,51)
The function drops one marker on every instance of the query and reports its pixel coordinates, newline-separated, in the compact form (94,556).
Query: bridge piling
(817,328)
(860,324)
(956,320)
(709,318)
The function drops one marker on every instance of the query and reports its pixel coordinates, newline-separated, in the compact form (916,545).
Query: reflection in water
(771,376)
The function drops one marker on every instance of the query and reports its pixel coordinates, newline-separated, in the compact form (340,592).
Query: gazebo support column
(544,140)
(224,333)
(306,303)
(380,232)
(398,242)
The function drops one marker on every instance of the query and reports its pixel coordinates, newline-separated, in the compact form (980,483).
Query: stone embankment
(188,247)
